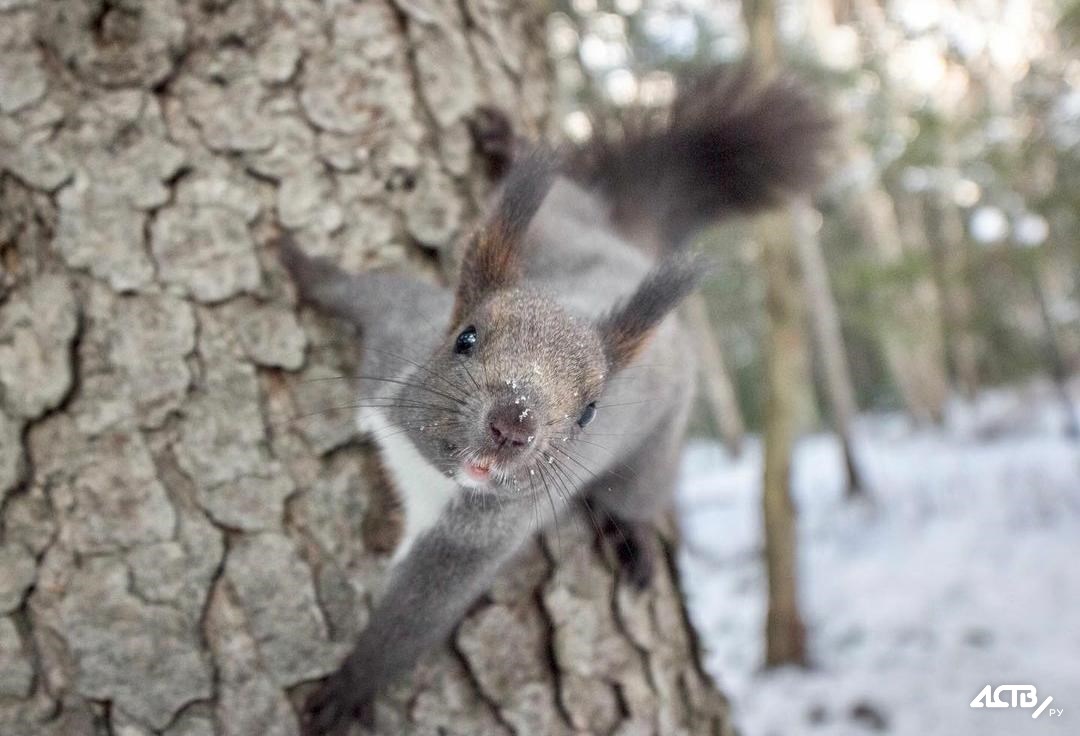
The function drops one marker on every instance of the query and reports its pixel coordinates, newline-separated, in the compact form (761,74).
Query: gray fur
(541,341)
(571,314)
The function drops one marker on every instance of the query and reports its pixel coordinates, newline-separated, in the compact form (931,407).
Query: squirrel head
(517,377)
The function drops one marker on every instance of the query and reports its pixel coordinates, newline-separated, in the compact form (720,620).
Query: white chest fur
(422,490)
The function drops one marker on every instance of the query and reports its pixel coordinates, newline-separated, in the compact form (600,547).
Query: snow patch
(960,573)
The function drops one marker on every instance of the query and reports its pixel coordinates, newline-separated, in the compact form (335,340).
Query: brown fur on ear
(493,255)
(627,329)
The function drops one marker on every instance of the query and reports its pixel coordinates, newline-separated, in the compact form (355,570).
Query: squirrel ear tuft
(627,329)
(493,255)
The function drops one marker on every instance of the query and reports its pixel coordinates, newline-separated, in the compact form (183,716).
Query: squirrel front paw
(338,702)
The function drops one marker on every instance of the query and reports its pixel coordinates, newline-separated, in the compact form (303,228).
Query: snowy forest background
(932,381)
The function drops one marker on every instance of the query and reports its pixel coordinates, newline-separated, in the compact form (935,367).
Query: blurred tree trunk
(824,316)
(949,246)
(1055,357)
(1035,176)
(1033,186)
(894,225)
(179,554)
(825,322)
(785,381)
(785,385)
(719,390)
(911,333)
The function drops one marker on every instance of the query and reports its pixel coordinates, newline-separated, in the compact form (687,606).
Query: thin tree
(825,324)
(715,378)
(892,224)
(910,327)
(785,387)
(950,246)
(785,383)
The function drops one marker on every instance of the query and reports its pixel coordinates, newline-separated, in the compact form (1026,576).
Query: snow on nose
(511,426)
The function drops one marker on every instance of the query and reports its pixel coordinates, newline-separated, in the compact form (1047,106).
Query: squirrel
(561,314)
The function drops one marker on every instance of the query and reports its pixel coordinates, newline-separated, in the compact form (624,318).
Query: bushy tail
(733,143)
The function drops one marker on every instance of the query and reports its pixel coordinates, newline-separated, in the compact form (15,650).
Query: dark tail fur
(733,144)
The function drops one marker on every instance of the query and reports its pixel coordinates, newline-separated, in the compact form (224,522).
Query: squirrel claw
(634,551)
(637,564)
(335,705)
(493,134)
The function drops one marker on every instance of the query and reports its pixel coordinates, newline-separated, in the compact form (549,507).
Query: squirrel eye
(466,341)
(588,414)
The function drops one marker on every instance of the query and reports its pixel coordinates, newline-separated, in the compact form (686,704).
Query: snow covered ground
(963,572)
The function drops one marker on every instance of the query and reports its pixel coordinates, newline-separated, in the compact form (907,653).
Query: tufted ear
(493,255)
(627,329)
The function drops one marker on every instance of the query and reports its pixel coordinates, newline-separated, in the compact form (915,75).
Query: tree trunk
(785,385)
(785,380)
(825,322)
(950,249)
(715,379)
(1033,182)
(911,331)
(179,553)
(911,322)
(1055,357)
(824,316)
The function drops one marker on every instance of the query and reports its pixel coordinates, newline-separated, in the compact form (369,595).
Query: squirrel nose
(511,426)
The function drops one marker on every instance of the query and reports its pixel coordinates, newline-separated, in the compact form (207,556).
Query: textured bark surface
(178,553)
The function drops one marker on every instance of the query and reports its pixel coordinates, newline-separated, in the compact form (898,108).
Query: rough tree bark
(178,554)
